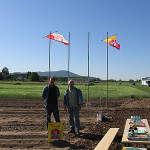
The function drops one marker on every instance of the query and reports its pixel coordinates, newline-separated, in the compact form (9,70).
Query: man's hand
(65,108)
(79,107)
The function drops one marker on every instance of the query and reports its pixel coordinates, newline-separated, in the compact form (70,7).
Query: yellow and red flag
(112,41)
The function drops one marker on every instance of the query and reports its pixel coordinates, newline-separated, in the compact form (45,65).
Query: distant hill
(61,73)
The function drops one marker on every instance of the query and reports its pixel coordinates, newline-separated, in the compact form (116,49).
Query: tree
(112,80)
(98,79)
(28,74)
(34,77)
(1,77)
(131,80)
(120,80)
(5,73)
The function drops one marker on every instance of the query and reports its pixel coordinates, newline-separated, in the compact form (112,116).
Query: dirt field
(22,124)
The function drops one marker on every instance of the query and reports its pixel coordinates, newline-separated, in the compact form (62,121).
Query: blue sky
(24,23)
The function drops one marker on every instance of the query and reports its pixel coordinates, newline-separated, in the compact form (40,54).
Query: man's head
(51,81)
(71,84)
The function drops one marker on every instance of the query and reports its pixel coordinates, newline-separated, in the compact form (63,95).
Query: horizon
(76,74)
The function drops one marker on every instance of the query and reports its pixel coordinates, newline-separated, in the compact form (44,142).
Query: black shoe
(71,131)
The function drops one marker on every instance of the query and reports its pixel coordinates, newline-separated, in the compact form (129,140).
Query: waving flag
(57,37)
(112,42)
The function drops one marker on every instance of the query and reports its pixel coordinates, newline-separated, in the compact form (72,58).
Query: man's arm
(80,96)
(44,93)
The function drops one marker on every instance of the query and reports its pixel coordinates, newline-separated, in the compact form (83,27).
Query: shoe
(78,133)
(71,131)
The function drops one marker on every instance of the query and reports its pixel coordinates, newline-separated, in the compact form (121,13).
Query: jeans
(52,108)
(74,112)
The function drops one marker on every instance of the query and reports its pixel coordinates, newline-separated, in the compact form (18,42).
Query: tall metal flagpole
(88,66)
(68,56)
(49,55)
(107,72)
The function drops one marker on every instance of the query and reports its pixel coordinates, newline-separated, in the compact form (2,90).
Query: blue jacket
(46,91)
(80,97)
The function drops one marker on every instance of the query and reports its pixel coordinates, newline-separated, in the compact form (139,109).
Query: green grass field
(34,89)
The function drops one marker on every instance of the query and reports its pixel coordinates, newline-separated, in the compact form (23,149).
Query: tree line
(33,76)
(29,76)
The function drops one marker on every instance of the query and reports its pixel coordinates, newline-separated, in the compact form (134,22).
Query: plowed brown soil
(22,124)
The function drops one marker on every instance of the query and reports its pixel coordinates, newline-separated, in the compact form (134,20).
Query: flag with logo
(112,41)
(57,37)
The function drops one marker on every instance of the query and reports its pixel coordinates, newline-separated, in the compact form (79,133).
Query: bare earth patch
(22,124)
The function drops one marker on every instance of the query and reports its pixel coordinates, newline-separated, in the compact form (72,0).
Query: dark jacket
(45,93)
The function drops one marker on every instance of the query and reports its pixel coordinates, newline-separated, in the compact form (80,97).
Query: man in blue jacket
(73,101)
(51,93)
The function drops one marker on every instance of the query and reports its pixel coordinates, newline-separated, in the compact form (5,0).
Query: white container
(99,117)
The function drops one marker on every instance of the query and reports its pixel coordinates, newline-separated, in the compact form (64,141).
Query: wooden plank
(107,139)
(125,139)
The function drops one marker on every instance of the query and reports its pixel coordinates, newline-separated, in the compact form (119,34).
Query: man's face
(51,82)
(71,84)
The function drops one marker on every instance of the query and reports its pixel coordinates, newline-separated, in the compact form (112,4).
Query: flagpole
(49,55)
(68,56)
(107,72)
(88,66)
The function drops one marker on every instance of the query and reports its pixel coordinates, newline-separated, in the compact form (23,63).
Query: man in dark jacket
(51,93)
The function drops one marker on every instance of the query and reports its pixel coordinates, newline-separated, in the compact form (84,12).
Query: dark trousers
(52,108)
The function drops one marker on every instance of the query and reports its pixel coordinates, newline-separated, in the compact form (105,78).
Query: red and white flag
(57,37)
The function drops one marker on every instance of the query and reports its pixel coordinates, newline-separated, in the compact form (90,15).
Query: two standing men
(72,100)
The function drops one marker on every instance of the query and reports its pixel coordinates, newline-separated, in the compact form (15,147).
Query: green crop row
(33,91)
